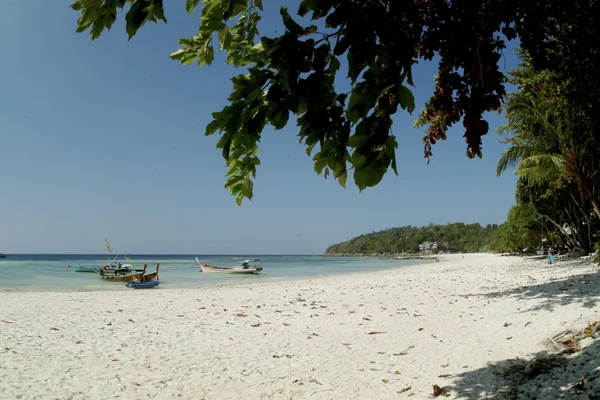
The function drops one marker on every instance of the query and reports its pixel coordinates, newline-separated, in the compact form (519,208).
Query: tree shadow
(547,376)
(583,289)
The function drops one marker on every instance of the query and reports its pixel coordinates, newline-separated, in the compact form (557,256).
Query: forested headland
(452,238)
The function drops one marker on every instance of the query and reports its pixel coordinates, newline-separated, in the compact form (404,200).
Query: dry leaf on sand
(438,391)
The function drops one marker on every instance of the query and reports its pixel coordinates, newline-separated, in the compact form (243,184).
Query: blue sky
(105,139)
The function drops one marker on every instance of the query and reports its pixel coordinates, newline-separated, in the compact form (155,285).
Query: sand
(474,321)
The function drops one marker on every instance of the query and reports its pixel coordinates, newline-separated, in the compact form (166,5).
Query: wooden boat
(245,270)
(131,276)
(143,285)
(119,269)
(135,277)
(84,268)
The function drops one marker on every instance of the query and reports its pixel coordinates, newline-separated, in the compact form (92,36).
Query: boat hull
(233,271)
(89,270)
(82,268)
(131,277)
(143,285)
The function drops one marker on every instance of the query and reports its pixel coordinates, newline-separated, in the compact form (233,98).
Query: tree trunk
(587,220)
(596,204)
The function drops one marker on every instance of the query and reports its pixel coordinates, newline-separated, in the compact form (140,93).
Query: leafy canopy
(551,134)
(553,143)
(381,40)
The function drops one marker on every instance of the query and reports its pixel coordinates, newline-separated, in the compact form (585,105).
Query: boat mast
(108,251)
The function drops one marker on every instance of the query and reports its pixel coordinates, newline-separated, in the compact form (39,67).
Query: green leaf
(240,187)
(406,99)
(212,26)
(369,176)
(304,7)
(214,126)
(258,4)
(334,65)
(135,18)
(97,28)
(359,105)
(190,5)
(209,55)
(320,162)
(158,10)
(342,179)
(353,70)
(257,48)
(280,116)
(289,23)
(356,140)
(225,38)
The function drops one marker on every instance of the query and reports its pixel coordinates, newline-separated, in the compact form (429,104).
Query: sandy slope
(363,336)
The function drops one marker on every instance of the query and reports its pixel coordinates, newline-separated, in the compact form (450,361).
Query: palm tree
(543,146)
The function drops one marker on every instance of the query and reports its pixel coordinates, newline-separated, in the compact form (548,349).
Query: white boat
(244,270)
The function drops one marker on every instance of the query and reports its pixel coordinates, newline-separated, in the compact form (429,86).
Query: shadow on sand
(552,376)
(548,374)
(583,289)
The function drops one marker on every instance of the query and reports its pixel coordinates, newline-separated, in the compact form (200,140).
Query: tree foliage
(520,233)
(553,144)
(456,237)
(293,75)
(551,212)
(551,137)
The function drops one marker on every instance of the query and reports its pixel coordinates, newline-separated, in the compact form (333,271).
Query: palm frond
(512,157)
(542,168)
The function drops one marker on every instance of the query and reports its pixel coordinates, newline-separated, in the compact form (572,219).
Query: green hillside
(455,237)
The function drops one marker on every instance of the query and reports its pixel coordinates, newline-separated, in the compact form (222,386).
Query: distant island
(411,240)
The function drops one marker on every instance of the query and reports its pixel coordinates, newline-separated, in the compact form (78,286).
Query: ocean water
(39,272)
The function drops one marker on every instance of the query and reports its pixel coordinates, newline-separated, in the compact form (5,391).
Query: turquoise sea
(50,272)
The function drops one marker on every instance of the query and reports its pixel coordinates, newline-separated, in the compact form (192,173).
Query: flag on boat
(107,246)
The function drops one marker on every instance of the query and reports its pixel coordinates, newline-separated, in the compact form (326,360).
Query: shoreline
(353,336)
(102,286)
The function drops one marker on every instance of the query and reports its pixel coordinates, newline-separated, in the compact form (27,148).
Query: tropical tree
(381,40)
(521,232)
(561,210)
(550,138)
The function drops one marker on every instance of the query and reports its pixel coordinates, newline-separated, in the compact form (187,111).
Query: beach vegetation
(554,146)
(453,238)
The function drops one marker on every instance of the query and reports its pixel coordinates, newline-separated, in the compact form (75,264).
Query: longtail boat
(84,268)
(116,276)
(245,270)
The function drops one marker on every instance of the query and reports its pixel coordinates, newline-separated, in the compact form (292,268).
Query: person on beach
(550,256)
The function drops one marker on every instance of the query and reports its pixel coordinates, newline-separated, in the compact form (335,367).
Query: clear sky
(105,139)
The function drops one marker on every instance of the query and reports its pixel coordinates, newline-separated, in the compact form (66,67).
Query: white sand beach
(468,324)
